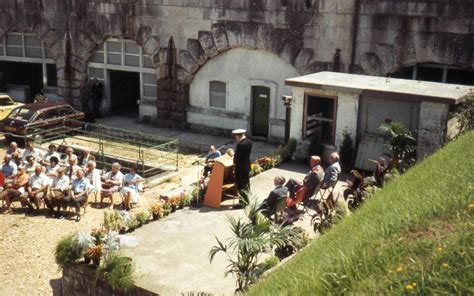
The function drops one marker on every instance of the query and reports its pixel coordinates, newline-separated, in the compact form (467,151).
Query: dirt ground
(27,243)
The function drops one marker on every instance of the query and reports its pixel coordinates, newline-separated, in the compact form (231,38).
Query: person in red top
(312,181)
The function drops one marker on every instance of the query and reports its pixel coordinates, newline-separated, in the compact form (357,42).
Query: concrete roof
(392,88)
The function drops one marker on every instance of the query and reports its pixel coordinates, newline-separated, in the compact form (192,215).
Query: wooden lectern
(221,182)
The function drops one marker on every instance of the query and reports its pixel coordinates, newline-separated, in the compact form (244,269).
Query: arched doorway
(128,77)
(241,88)
(26,67)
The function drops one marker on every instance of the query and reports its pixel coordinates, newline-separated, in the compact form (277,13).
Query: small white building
(326,104)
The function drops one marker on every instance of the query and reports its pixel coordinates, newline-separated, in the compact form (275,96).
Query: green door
(260,110)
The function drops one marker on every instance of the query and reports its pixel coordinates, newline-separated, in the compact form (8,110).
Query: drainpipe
(355,32)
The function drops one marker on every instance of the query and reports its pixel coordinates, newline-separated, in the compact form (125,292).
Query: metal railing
(150,153)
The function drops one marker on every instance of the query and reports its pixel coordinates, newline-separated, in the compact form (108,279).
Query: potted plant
(173,202)
(99,234)
(133,223)
(82,242)
(166,209)
(117,271)
(142,217)
(156,210)
(94,254)
(66,252)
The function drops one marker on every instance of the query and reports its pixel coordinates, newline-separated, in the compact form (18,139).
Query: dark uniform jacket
(242,160)
(275,195)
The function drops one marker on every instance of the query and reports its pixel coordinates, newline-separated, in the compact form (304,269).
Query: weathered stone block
(195,49)
(187,61)
(220,37)
(207,43)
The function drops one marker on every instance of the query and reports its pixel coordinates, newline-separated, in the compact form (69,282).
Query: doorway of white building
(260,110)
(124,93)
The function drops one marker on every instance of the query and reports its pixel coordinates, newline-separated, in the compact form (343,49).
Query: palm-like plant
(402,141)
(250,240)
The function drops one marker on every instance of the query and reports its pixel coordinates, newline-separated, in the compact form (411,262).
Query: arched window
(217,94)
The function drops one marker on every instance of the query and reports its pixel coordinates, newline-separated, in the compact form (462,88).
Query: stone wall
(81,280)
(365,36)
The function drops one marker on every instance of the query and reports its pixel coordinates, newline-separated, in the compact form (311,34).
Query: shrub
(315,147)
(268,264)
(113,221)
(291,146)
(402,142)
(280,154)
(66,252)
(142,217)
(255,169)
(117,271)
(83,241)
(347,150)
(166,209)
(464,113)
(133,223)
(297,241)
(156,208)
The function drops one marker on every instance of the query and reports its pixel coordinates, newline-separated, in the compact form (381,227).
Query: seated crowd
(58,182)
(295,192)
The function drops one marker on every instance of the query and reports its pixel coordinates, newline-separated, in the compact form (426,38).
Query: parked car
(7,104)
(26,120)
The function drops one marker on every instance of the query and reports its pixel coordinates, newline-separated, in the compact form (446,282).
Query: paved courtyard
(172,255)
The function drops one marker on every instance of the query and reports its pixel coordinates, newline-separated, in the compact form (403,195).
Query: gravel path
(27,244)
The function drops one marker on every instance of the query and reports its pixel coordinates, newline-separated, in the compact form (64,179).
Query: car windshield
(6,102)
(21,114)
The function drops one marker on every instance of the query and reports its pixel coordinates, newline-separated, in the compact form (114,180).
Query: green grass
(416,236)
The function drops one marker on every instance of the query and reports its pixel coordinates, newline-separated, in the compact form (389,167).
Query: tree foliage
(402,141)
(464,113)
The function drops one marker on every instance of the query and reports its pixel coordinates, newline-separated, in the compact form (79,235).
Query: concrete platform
(172,255)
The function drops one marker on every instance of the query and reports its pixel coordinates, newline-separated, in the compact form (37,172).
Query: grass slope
(415,236)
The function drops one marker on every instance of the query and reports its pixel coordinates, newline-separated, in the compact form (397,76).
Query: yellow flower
(413,284)
(445,265)
(439,249)
(390,271)
(409,287)
(399,269)
(471,206)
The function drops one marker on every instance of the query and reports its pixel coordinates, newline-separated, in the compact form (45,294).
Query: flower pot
(173,208)
(155,217)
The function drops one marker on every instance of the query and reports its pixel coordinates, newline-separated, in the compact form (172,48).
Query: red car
(25,120)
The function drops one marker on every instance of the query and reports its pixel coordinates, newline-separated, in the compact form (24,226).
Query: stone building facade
(219,64)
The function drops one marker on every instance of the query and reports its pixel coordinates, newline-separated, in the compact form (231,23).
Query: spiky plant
(66,252)
(402,141)
(112,243)
(83,241)
(117,271)
(250,239)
